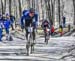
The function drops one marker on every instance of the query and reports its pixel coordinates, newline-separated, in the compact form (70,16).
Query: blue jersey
(1,23)
(27,19)
(7,23)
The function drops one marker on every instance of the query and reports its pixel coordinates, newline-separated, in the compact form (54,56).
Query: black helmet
(32,10)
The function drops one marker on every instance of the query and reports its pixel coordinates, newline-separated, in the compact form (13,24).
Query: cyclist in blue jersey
(29,17)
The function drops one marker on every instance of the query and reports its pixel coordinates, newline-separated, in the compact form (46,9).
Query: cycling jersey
(27,19)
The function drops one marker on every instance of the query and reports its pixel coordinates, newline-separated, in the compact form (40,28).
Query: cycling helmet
(7,14)
(32,10)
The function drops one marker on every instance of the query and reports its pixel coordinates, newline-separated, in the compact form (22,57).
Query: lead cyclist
(29,17)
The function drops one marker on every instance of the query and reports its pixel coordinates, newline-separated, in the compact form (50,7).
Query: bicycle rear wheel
(28,48)
(46,38)
(32,43)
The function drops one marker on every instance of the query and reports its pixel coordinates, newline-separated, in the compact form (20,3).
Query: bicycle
(47,34)
(29,44)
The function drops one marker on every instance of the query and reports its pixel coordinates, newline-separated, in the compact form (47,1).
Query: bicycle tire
(28,45)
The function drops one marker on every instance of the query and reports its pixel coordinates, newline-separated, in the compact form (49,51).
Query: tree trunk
(33,3)
(47,7)
(74,11)
(52,9)
(49,12)
(42,9)
(59,11)
(20,7)
(28,4)
(10,7)
(2,6)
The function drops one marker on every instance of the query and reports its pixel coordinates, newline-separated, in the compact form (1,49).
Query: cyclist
(7,24)
(29,17)
(45,24)
(1,27)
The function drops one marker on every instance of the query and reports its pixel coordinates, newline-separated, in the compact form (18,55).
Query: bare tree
(62,7)
(42,9)
(74,11)
(2,6)
(59,12)
(10,6)
(48,8)
(28,3)
(33,3)
(20,7)
(52,10)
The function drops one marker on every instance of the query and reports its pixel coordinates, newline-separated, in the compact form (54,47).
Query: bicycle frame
(30,40)
(46,30)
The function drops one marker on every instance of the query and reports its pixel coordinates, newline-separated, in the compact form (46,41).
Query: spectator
(61,30)
(52,30)
(12,18)
(1,27)
(7,24)
(64,21)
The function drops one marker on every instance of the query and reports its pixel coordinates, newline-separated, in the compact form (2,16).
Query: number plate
(48,29)
(30,29)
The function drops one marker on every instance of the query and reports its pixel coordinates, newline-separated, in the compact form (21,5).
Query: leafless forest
(50,9)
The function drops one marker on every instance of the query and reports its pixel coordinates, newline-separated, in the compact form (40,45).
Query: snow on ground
(58,49)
